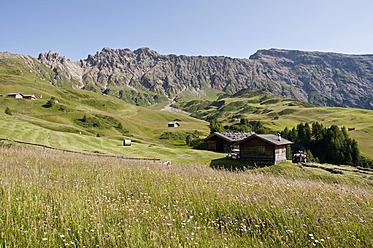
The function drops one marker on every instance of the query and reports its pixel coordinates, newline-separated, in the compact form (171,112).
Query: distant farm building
(223,142)
(15,95)
(20,96)
(351,129)
(29,97)
(264,148)
(173,124)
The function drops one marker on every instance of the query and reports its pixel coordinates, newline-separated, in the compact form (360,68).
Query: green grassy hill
(21,130)
(57,198)
(110,120)
(106,116)
(263,106)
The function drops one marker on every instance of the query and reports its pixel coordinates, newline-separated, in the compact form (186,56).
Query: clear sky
(234,28)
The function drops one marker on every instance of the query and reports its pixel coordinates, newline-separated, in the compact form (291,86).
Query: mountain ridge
(145,77)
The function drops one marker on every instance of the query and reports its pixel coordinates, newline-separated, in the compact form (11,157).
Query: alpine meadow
(138,149)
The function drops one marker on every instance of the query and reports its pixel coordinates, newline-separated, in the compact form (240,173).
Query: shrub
(7,111)
(189,139)
(50,103)
(89,122)
(173,136)
(198,144)
(216,126)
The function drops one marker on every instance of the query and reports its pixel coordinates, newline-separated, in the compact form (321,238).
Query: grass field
(71,104)
(146,125)
(55,199)
(263,106)
(17,129)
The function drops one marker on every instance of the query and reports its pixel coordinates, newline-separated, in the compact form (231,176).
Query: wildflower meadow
(54,199)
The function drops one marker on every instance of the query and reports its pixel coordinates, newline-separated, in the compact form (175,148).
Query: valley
(145,125)
(186,196)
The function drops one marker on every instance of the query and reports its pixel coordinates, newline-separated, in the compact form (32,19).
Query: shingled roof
(269,138)
(231,137)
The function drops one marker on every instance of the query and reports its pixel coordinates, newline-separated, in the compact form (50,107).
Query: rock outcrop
(146,77)
(64,68)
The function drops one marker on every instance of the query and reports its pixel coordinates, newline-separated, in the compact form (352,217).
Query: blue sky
(234,28)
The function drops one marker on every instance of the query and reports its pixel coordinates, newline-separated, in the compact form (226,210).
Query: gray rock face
(326,79)
(63,67)
(321,78)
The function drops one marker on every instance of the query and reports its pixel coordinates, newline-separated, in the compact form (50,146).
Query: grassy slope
(59,198)
(54,199)
(144,124)
(33,123)
(264,106)
(18,129)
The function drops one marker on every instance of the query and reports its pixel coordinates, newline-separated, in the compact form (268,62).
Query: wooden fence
(83,153)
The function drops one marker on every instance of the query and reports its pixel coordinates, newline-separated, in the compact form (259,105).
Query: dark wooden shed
(29,97)
(222,142)
(264,148)
(15,95)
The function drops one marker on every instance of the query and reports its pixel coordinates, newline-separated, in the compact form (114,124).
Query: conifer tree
(216,126)
(317,131)
(331,145)
(7,111)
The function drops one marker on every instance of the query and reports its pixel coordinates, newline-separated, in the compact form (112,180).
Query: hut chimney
(279,137)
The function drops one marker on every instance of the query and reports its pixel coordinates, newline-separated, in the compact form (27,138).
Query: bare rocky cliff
(145,77)
(63,68)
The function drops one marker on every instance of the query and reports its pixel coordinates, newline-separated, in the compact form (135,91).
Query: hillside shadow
(234,165)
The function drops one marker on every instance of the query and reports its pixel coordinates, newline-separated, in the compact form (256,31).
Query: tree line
(326,145)
(243,126)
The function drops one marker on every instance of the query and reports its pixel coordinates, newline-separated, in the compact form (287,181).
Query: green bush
(216,126)
(91,122)
(50,103)
(7,111)
(173,135)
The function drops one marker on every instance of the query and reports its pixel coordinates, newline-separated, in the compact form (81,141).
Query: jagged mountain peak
(126,51)
(144,76)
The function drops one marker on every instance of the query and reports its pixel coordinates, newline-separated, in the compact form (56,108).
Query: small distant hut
(173,124)
(127,142)
(15,95)
(29,97)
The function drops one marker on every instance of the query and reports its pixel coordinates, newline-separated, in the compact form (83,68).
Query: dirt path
(171,109)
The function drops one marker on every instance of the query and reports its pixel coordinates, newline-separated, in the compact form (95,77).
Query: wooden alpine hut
(264,148)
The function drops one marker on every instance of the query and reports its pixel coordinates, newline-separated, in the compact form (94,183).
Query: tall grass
(54,199)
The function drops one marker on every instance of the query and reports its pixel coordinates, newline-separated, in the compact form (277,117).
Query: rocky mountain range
(146,77)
